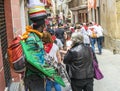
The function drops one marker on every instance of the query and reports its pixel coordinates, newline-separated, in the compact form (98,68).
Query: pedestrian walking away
(79,65)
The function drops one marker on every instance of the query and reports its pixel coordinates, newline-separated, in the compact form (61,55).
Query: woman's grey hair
(77,38)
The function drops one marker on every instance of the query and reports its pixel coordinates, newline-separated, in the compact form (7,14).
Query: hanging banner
(91,4)
(47,2)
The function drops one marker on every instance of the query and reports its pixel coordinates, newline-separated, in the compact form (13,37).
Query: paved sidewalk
(110,66)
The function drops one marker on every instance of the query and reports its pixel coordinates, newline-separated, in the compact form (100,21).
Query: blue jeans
(93,41)
(50,84)
(99,44)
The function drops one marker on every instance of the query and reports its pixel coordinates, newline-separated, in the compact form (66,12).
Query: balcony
(77,4)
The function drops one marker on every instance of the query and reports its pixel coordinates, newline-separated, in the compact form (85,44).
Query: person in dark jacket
(78,62)
(59,33)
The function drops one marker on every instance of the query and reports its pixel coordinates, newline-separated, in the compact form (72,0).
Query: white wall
(22,15)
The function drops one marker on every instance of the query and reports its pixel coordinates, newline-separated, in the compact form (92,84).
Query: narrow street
(110,66)
(53,22)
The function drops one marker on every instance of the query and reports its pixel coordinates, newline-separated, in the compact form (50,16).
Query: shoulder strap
(92,54)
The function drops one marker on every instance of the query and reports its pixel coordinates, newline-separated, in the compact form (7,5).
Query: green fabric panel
(34,54)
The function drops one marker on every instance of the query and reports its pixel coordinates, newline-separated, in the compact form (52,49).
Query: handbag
(97,72)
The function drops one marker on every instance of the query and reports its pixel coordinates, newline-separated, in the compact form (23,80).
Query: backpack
(15,55)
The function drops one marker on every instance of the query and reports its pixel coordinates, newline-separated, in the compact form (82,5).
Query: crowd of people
(92,33)
(70,45)
(76,42)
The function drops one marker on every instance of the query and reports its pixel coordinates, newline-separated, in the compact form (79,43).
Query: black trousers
(82,84)
(34,83)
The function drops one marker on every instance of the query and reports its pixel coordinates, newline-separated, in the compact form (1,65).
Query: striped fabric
(36,9)
(37,15)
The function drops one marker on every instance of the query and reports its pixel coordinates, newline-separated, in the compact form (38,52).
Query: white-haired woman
(78,62)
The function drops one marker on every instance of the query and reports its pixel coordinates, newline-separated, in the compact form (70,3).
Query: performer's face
(41,28)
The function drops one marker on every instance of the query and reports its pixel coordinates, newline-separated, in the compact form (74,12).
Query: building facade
(12,23)
(79,11)
(110,20)
(60,9)
(94,13)
(106,13)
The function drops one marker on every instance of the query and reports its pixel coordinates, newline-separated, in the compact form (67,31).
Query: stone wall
(111,23)
(118,19)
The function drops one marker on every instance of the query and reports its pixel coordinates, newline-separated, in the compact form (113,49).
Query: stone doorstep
(16,86)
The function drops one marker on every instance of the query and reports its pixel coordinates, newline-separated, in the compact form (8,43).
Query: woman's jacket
(78,62)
